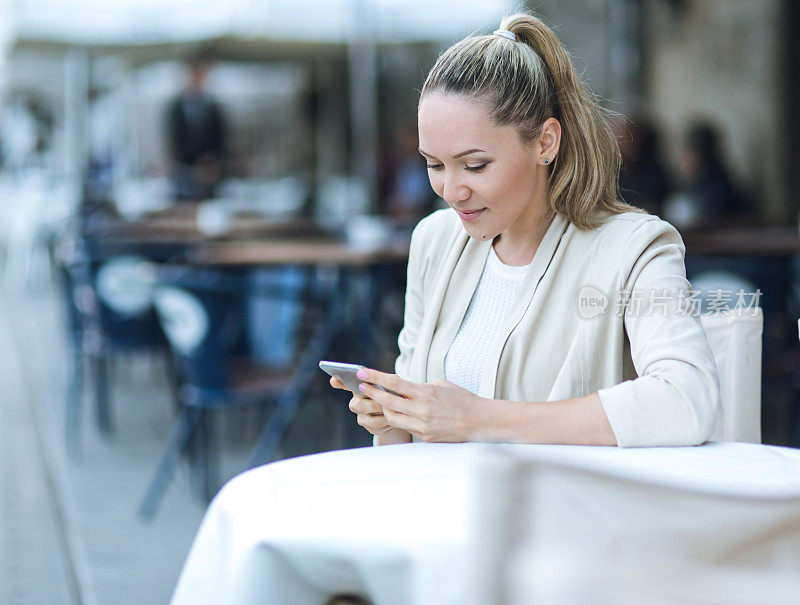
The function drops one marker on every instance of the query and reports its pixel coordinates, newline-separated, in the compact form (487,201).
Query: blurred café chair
(108,312)
(735,339)
(719,287)
(274,342)
(195,310)
(735,335)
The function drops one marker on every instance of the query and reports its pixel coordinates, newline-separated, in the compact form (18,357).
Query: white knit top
(493,298)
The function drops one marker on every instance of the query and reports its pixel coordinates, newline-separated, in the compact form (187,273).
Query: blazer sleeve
(675,399)
(414,302)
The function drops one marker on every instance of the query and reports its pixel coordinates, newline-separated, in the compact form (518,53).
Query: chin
(481,234)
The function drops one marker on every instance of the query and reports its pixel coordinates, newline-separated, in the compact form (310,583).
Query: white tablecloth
(415,523)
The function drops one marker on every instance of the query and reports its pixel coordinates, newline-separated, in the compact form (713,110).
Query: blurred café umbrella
(150,30)
(147,22)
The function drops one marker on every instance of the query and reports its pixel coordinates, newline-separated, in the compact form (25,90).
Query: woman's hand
(369,414)
(439,411)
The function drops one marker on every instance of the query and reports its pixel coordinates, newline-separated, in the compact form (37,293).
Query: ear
(549,141)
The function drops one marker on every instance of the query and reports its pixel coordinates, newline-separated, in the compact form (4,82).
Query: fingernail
(362,387)
(361,374)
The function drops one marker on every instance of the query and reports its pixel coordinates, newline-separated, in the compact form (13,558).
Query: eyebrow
(456,156)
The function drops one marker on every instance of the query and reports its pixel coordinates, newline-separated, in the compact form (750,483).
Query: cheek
(436,182)
(517,187)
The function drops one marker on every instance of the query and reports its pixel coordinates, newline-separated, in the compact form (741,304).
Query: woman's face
(485,172)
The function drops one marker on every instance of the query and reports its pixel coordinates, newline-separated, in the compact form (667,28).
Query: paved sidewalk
(35,565)
(69,530)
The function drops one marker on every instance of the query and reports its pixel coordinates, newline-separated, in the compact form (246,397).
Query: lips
(470,215)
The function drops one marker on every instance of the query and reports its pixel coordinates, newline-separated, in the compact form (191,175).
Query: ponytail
(526,82)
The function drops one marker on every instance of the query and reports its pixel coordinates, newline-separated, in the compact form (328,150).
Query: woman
(540,308)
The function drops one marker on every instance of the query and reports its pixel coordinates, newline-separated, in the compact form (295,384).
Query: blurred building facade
(308,88)
(732,64)
(722,62)
(319,96)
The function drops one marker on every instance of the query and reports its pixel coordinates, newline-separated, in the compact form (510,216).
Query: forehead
(449,124)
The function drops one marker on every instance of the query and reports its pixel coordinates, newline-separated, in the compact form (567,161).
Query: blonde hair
(526,82)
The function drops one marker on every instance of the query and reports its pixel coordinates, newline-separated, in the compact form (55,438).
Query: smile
(470,215)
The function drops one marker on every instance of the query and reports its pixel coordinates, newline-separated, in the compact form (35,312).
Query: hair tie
(505,34)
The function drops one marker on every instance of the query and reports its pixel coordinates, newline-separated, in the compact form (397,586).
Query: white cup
(367,233)
(213,218)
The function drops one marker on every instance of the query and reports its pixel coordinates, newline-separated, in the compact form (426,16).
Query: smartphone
(346,372)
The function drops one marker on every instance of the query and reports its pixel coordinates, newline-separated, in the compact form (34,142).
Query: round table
(456,523)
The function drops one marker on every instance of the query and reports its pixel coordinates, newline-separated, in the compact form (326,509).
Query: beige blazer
(649,361)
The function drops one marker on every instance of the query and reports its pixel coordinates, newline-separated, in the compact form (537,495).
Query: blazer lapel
(541,261)
(433,305)
(460,289)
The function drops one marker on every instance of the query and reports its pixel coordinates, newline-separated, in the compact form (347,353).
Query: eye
(434,166)
(480,168)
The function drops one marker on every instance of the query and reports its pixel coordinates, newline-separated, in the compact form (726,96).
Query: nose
(454,190)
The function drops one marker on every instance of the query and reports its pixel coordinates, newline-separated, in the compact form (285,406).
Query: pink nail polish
(362,387)
(361,374)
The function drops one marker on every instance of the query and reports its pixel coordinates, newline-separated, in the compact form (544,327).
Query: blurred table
(742,241)
(353,280)
(297,252)
(417,523)
(183,224)
(768,258)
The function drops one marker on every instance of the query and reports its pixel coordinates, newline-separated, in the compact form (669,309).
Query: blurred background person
(708,191)
(709,182)
(197,137)
(644,180)
(26,132)
(407,189)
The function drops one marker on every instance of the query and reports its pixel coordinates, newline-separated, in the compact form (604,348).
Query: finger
(402,421)
(336,383)
(360,405)
(410,407)
(386,400)
(393,382)
(374,424)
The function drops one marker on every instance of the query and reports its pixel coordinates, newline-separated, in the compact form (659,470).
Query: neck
(518,244)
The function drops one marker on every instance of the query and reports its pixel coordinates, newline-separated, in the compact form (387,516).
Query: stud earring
(546,161)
